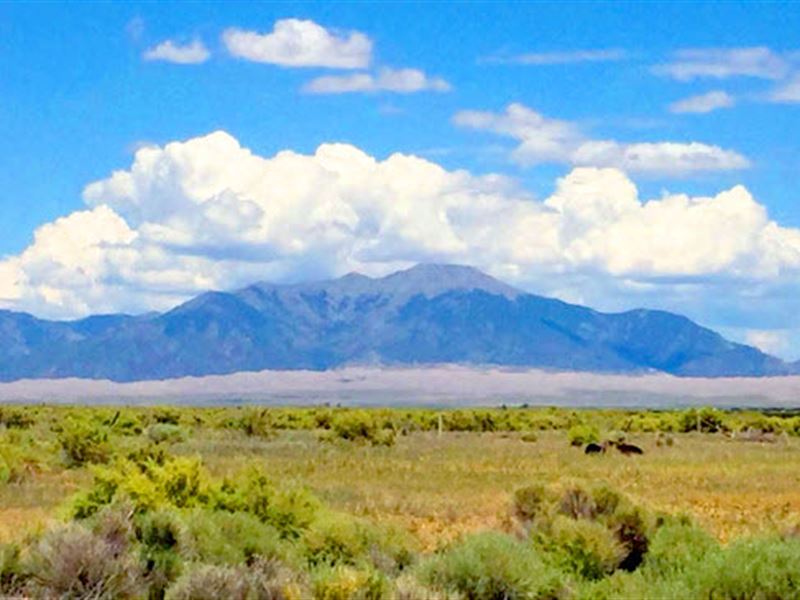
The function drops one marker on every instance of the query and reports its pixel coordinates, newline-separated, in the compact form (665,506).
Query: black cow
(594,449)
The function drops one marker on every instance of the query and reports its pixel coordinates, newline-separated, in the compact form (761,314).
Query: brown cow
(628,449)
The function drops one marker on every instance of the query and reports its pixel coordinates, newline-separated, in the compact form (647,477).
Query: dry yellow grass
(440,487)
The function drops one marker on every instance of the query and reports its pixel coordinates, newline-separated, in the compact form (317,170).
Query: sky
(618,155)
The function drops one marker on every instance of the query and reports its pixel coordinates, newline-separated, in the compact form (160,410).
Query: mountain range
(429,314)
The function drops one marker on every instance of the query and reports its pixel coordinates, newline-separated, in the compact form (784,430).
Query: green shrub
(581,434)
(83,443)
(165,545)
(529,502)
(705,420)
(169,416)
(677,546)
(16,461)
(362,427)
(529,437)
(492,566)
(178,482)
(12,574)
(586,548)
(348,583)
(17,418)
(336,539)
(256,423)
(753,568)
(160,433)
(649,422)
(290,510)
(589,532)
(225,538)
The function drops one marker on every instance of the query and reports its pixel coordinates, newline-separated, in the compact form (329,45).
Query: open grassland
(396,503)
(439,486)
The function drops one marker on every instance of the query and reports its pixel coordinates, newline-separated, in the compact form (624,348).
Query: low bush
(72,562)
(17,418)
(529,502)
(224,538)
(588,532)
(289,510)
(83,443)
(161,433)
(337,539)
(755,568)
(255,423)
(164,548)
(147,485)
(12,574)
(210,582)
(676,547)
(169,416)
(492,566)
(704,420)
(348,583)
(361,427)
(579,435)
(583,547)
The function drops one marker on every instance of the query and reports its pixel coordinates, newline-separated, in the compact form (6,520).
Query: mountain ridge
(428,314)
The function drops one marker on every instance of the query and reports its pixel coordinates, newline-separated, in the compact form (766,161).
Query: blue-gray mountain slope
(430,314)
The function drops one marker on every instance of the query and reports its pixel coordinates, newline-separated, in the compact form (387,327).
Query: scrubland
(330,503)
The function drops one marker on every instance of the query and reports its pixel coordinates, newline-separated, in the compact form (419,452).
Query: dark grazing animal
(628,449)
(593,448)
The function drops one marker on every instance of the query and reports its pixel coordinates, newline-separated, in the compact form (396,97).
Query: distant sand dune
(444,385)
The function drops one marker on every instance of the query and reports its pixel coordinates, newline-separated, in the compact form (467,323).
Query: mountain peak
(431,279)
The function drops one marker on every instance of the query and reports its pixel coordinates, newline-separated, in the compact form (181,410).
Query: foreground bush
(261,580)
(348,583)
(75,563)
(588,532)
(492,566)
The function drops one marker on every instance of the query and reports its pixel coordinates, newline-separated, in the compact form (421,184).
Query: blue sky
(527,91)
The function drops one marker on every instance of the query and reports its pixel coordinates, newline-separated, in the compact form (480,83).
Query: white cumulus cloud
(192,53)
(208,213)
(703,103)
(401,81)
(301,43)
(545,140)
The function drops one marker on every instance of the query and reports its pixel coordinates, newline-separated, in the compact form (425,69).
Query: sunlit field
(323,493)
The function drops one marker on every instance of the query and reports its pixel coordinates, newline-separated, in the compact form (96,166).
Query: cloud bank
(208,213)
(545,140)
